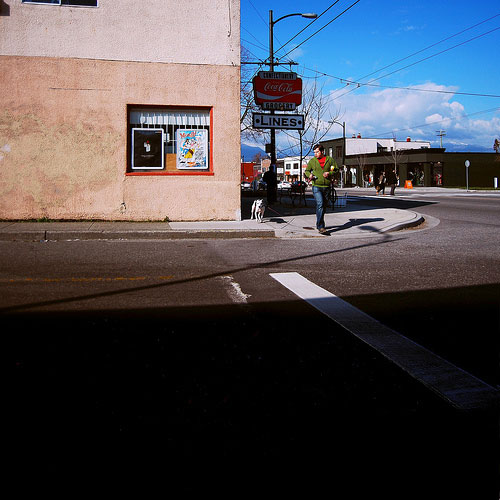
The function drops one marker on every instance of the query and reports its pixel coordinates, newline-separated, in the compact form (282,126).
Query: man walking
(320,170)
(392,180)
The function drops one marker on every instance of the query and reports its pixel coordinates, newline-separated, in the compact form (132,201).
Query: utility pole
(271,69)
(273,131)
(441,133)
(343,147)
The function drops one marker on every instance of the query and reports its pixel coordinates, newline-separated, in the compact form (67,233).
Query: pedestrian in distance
(271,181)
(392,180)
(319,171)
(381,183)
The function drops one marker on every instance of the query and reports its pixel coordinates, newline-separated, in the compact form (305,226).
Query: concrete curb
(348,222)
(135,235)
(416,221)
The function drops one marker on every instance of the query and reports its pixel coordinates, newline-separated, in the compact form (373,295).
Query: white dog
(258,209)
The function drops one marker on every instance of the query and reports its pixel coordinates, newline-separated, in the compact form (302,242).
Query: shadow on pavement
(354,223)
(190,388)
(285,207)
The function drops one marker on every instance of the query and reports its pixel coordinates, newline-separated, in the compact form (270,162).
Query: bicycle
(331,196)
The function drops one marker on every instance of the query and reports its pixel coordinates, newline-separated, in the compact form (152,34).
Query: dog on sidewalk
(258,209)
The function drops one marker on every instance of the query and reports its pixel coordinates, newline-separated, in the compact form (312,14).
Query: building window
(169,140)
(71,3)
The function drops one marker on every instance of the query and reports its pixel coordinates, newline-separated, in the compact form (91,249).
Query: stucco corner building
(120,110)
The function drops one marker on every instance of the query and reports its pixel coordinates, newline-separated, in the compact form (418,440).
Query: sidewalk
(282,220)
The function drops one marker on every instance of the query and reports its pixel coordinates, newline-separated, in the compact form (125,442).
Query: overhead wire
(303,29)
(430,46)
(370,83)
(323,27)
(359,84)
(461,117)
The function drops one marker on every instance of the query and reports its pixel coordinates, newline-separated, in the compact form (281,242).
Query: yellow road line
(95,279)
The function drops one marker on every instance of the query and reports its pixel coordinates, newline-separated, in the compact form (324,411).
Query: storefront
(432,168)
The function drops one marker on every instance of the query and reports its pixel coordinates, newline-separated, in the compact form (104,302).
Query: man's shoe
(322,230)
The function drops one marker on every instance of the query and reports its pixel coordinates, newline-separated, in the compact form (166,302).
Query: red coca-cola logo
(276,90)
(282,88)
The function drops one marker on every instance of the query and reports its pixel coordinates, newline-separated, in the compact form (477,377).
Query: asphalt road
(189,351)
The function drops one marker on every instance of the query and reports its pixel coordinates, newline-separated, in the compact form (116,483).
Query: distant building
(119,110)
(250,171)
(290,168)
(364,159)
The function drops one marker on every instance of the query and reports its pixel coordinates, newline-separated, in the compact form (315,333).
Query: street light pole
(271,68)
(343,145)
(273,132)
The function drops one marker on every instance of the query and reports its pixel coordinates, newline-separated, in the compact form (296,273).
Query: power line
(411,89)
(370,84)
(260,44)
(258,13)
(430,46)
(421,60)
(436,122)
(315,33)
(436,54)
(415,89)
(303,29)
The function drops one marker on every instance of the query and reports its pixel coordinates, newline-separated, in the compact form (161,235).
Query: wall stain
(55,170)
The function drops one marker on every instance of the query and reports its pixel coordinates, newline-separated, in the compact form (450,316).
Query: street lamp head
(309,15)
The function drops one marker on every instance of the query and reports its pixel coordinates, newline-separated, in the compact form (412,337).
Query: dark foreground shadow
(239,392)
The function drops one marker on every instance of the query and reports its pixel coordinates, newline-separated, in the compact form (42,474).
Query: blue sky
(445,48)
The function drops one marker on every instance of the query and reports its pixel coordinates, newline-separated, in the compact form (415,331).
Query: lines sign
(291,122)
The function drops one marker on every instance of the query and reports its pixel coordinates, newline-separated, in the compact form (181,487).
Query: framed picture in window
(148,149)
(192,149)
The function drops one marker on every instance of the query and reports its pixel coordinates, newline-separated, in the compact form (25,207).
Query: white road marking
(234,290)
(457,386)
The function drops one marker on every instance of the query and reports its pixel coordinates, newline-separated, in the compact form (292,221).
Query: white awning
(189,118)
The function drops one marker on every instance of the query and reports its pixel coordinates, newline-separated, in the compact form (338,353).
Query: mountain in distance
(248,152)
(467,148)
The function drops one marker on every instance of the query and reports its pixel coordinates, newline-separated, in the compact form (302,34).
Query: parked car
(299,184)
(246,186)
(284,185)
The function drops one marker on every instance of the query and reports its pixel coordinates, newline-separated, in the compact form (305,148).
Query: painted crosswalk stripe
(450,382)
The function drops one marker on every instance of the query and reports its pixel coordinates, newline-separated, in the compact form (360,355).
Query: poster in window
(147,148)
(192,149)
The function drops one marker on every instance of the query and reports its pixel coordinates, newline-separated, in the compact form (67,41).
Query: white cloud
(414,113)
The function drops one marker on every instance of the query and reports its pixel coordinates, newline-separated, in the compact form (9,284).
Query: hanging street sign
(277,90)
(280,106)
(290,122)
(277,75)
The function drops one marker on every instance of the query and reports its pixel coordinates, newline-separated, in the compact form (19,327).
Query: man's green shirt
(314,167)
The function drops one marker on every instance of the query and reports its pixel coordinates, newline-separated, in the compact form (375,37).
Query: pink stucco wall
(169,31)
(63,120)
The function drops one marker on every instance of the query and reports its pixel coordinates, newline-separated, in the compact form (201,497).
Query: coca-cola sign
(277,90)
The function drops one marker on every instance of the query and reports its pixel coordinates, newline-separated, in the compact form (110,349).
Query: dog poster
(192,149)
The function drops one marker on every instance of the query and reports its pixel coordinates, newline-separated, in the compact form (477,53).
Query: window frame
(128,164)
(59,3)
